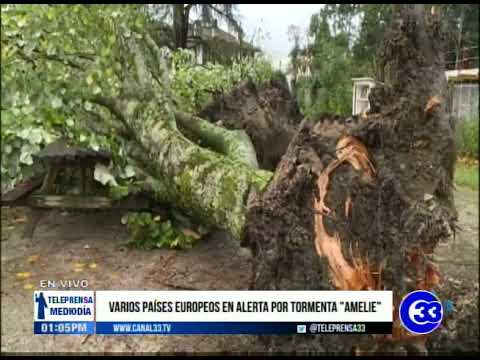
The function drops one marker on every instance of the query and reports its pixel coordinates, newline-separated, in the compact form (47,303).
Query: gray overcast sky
(275,19)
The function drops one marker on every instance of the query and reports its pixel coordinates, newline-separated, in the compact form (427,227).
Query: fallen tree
(352,204)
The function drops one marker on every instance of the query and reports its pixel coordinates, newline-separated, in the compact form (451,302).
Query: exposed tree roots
(371,195)
(269,115)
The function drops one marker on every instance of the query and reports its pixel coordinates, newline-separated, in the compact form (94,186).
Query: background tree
(328,86)
(180,16)
(353,33)
(294,36)
(463,34)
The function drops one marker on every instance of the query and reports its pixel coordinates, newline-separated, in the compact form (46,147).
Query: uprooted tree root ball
(268,114)
(361,203)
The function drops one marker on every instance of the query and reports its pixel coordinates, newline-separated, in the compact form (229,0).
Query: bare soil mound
(269,115)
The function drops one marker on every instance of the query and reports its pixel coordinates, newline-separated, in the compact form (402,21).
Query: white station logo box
(67,305)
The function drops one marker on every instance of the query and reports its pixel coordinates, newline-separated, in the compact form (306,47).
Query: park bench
(67,183)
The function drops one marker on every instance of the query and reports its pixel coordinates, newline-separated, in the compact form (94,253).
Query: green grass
(466,176)
(466,135)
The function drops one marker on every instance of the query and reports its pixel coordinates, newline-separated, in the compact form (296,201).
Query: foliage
(328,89)
(149,232)
(57,59)
(466,169)
(461,25)
(48,77)
(179,34)
(20,142)
(467,137)
(462,33)
(346,41)
(195,85)
(365,25)
(126,187)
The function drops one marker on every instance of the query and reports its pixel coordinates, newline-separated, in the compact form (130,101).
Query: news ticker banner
(212,312)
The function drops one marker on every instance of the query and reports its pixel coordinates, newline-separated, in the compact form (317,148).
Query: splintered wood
(357,275)
(433,103)
(348,206)
(345,276)
(349,149)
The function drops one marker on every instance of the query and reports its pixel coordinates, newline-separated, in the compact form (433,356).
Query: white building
(361,90)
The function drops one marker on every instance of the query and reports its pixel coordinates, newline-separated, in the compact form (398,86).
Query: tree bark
(233,143)
(181,15)
(211,187)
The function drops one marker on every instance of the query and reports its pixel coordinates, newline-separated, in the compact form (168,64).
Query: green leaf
(119,192)
(35,136)
(124,219)
(105,52)
(26,158)
(102,175)
(21,21)
(88,106)
(128,172)
(56,103)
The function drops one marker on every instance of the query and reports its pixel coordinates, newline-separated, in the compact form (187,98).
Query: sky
(275,19)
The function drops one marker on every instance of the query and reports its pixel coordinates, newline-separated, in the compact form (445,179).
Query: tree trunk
(181,15)
(211,187)
(234,143)
(362,204)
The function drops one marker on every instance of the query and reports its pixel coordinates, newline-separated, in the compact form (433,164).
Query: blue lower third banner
(63,327)
(232,328)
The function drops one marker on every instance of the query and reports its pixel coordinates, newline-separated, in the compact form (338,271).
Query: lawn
(466,175)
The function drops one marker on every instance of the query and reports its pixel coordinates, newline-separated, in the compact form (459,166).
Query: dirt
(269,114)
(459,264)
(62,240)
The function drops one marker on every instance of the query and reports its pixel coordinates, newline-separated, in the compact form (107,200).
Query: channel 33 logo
(421,312)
